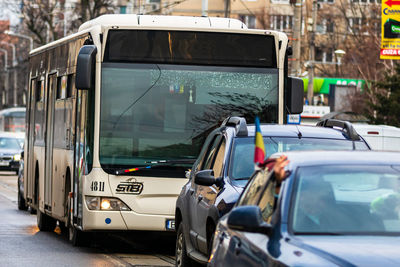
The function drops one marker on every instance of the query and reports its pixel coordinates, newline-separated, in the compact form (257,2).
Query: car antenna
(299,134)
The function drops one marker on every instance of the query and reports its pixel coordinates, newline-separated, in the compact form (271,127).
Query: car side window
(208,159)
(254,189)
(219,159)
(267,202)
(203,153)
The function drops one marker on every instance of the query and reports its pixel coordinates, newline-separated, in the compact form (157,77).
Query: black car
(10,151)
(224,166)
(336,208)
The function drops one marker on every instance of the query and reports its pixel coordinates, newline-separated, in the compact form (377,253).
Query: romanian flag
(259,153)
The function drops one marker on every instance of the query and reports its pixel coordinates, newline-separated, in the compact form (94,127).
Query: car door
(250,249)
(206,199)
(196,190)
(200,191)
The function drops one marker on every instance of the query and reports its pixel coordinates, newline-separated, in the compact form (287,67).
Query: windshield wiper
(155,163)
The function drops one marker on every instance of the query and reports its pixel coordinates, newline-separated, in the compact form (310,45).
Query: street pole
(227,8)
(310,90)
(21,36)
(14,65)
(204,8)
(5,72)
(296,38)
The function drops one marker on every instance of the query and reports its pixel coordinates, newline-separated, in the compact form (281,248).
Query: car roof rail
(346,127)
(239,123)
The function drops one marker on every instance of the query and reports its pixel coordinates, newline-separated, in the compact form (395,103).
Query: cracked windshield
(155,112)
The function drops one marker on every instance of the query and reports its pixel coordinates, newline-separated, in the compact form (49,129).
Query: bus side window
(59,87)
(39,91)
(70,85)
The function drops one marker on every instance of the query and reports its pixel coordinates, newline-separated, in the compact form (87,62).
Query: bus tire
(78,238)
(21,201)
(75,236)
(45,223)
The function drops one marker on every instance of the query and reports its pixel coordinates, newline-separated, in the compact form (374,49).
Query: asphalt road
(22,244)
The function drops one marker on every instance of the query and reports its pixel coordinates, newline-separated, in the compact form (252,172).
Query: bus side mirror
(294,95)
(85,67)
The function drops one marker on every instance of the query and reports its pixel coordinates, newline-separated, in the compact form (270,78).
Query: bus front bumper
(126,220)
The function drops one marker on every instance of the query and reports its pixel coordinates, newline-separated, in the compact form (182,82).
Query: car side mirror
(248,219)
(206,178)
(85,67)
(294,95)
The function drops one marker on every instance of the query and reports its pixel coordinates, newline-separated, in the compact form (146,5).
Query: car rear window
(346,199)
(242,164)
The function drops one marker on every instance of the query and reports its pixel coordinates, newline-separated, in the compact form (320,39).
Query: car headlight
(106,204)
(17,157)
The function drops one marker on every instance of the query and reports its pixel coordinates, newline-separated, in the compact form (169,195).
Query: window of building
(330,26)
(323,55)
(281,22)
(122,9)
(319,54)
(329,55)
(326,1)
(357,25)
(280,1)
(366,1)
(249,20)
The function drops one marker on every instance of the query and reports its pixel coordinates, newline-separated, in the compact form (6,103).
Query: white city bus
(135,92)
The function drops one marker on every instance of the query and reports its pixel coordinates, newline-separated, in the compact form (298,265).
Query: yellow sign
(390,40)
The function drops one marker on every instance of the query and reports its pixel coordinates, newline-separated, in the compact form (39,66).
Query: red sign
(390,52)
(392,3)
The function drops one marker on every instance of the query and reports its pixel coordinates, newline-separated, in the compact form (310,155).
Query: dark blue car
(226,163)
(335,208)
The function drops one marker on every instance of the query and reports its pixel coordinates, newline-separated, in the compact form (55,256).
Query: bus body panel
(155,203)
(155,196)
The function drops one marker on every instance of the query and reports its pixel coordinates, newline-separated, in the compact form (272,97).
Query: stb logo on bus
(130,186)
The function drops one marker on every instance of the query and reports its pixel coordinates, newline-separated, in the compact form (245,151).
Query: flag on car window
(259,153)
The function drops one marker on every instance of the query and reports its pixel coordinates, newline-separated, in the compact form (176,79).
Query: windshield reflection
(151,112)
(347,200)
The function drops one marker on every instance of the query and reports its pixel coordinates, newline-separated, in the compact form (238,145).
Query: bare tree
(39,19)
(90,9)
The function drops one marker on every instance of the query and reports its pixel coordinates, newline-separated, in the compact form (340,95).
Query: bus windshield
(164,112)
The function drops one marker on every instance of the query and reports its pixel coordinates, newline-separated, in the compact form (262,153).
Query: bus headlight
(106,204)
(17,157)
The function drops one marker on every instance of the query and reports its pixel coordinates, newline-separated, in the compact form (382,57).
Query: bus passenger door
(29,181)
(79,152)
(48,184)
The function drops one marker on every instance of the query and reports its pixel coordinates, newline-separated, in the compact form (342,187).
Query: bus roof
(124,20)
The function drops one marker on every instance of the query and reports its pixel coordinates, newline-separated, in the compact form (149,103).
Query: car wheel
(45,223)
(21,201)
(182,259)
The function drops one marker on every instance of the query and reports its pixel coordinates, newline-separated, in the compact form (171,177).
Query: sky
(7,8)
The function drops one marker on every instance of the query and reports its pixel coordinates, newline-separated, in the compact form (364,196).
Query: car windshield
(9,143)
(346,199)
(242,165)
(153,112)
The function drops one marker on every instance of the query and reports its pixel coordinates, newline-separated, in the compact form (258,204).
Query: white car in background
(380,137)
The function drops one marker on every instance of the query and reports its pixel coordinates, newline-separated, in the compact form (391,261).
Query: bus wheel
(44,222)
(78,238)
(21,201)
